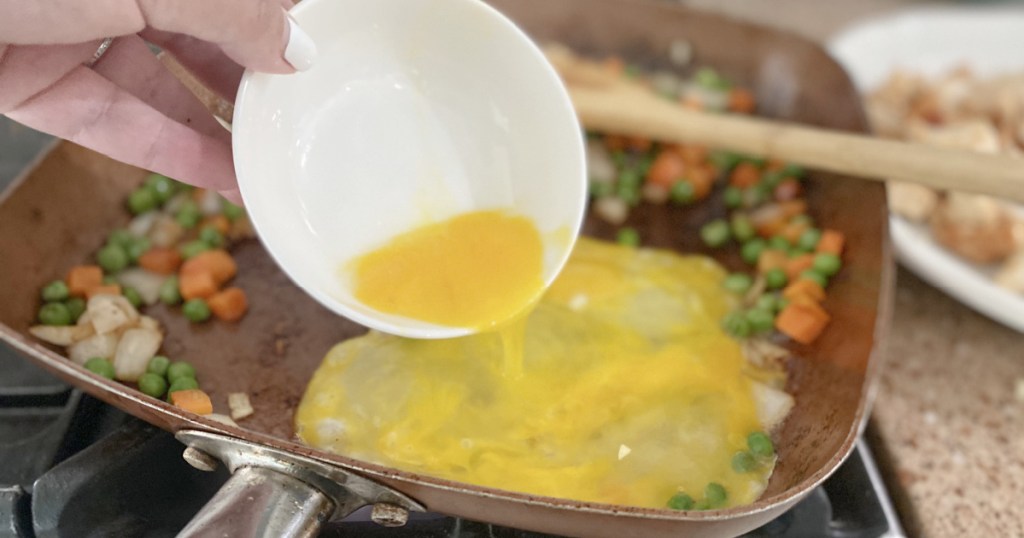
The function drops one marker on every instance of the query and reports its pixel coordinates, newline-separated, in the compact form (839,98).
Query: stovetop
(73,466)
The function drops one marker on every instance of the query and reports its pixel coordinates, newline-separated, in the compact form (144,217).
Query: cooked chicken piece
(974,134)
(1011,275)
(978,228)
(911,201)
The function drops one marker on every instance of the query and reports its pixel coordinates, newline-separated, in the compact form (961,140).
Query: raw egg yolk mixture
(631,391)
(475,270)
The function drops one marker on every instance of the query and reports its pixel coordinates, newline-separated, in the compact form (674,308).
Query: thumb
(257,34)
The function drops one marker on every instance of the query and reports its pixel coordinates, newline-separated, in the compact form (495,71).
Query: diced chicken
(1011,275)
(912,201)
(975,227)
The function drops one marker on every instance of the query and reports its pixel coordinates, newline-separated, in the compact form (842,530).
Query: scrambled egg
(630,391)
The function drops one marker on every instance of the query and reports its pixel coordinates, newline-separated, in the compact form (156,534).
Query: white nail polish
(300,51)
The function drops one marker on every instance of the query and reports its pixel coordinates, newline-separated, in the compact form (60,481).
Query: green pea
(628,237)
(133,296)
(815,276)
(702,505)
(211,236)
(56,291)
(775,278)
(682,192)
(751,250)
(112,258)
(793,170)
(761,320)
(188,215)
(600,189)
(738,283)
(756,160)
(768,301)
(193,248)
(120,237)
(809,239)
(628,192)
(760,445)
(732,197)
(742,227)
(100,366)
(715,233)
(724,160)
(158,365)
(163,186)
(680,501)
(137,248)
(827,264)
(779,243)
(169,293)
(233,211)
(196,310)
(772,179)
(710,79)
(179,369)
(736,324)
(743,462)
(76,306)
(803,218)
(182,383)
(152,385)
(109,280)
(141,200)
(54,314)
(754,196)
(715,494)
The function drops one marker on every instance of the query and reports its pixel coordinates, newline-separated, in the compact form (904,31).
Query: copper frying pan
(60,211)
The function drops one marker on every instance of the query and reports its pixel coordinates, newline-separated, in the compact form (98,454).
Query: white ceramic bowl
(415,111)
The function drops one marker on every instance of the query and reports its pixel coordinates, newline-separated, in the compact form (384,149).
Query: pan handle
(258,502)
(274,493)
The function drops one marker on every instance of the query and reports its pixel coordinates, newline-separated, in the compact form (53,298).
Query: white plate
(932,41)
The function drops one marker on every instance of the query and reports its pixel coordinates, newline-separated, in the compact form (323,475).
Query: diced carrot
(804,288)
(667,169)
(831,242)
(793,230)
(639,143)
(83,278)
(228,305)
(161,260)
(771,259)
(744,175)
(741,100)
(104,289)
(694,154)
(198,194)
(193,401)
(217,263)
(772,165)
(798,264)
(793,208)
(196,284)
(801,322)
(218,222)
(615,142)
(702,178)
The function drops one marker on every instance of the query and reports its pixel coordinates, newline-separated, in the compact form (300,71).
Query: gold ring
(100,51)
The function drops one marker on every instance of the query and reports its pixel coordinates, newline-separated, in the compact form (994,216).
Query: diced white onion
(612,209)
(140,225)
(600,168)
(97,345)
(146,283)
(238,403)
(772,405)
(106,314)
(136,348)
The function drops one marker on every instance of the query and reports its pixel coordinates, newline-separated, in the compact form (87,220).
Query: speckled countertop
(948,422)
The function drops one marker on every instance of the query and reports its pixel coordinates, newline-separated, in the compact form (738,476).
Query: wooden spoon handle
(626,111)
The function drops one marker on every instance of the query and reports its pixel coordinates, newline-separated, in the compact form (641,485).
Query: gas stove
(73,466)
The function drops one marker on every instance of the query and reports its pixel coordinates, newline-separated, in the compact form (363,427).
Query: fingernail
(300,51)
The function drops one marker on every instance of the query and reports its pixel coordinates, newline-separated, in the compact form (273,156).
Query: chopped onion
(176,202)
(238,403)
(654,193)
(140,225)
(612,209)
(146,322)
(110,312)
(146,283)
(97,345)
(772,405)
(210,203)
(60,336)
(166,232)
(600,167)
(223,419)
(136,348)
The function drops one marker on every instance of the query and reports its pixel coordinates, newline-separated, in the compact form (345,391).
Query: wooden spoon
(607,102)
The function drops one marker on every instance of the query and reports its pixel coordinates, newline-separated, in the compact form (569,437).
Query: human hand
(127,104)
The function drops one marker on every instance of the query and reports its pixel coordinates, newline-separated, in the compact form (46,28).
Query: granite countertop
(948,421)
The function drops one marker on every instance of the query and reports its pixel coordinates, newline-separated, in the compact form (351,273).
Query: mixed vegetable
(173,251)
(790,259)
